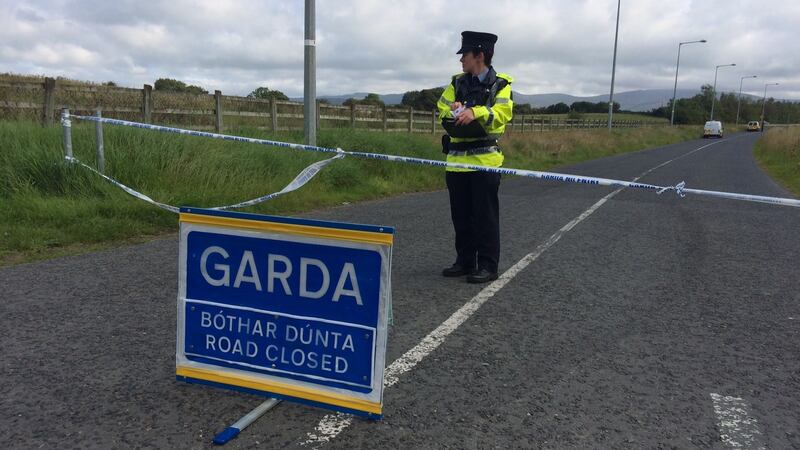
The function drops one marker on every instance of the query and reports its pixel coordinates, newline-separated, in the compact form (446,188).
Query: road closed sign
(289,308)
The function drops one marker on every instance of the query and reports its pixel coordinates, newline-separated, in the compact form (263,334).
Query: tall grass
(778,152)
(48,207)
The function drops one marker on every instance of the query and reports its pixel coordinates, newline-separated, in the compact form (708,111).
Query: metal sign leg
(234,430)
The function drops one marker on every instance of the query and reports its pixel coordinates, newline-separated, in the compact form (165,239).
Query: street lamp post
(739,105)
(677,65)
(764,103)
(613,71)
(310,75)
(714,90)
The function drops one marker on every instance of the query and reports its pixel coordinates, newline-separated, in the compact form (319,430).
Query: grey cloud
(388,47)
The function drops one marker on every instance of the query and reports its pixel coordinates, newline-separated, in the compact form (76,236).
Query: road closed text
(277,343)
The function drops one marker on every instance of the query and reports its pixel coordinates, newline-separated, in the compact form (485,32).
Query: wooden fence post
(433,121)
(273,113)
(49,102)
(410,119)
(147,103)
(352,115)
(523,124)
(383,111)
(218,111)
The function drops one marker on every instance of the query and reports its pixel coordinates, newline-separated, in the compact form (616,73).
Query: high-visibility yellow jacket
(492,116)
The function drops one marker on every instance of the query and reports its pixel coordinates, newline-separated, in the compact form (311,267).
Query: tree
(697,109)
(264,92)
(425,99)
(558,108)
(171,85)
(370,99)
(583,107)
(589,107)
(523,108)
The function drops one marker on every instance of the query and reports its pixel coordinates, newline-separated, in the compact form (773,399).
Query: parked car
(712,128)
(753,125)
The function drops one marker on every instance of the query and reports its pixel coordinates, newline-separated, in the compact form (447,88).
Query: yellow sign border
(249,382)
(301,230)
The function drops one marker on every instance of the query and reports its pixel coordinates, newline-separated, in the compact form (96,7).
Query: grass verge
(778,153)
(49,208)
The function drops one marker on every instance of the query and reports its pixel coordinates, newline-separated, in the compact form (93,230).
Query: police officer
(474,109)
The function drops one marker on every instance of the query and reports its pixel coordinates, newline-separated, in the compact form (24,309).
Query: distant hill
(641,100)
(389,99)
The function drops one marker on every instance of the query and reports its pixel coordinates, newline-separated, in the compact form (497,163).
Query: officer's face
(470,62)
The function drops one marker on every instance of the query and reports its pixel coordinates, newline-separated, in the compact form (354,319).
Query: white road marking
(332,424)
(737,427)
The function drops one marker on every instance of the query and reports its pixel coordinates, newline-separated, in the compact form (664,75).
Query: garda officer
(474,109)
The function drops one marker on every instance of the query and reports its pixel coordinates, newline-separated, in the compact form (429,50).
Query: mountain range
(639,100)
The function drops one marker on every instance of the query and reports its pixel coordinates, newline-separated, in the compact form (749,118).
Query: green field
(778,153)
(50,208)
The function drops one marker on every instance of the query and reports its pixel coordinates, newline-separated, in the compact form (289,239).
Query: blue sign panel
(288,307)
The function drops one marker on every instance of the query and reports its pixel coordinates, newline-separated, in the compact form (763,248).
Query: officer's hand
(467,116)
(455,106)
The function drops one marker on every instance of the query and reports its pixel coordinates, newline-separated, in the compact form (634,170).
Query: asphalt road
(654,322)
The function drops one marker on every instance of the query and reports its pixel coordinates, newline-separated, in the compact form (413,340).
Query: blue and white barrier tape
(679,188)
(299,181)
(130,191)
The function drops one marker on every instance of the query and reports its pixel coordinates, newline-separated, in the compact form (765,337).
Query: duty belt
(475,151)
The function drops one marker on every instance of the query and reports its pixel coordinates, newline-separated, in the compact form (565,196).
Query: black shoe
(481,276)
(457,270)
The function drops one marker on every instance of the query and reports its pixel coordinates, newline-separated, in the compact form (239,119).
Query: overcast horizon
(363,46)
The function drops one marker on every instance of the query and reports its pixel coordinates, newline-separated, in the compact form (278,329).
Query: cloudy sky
(391,47)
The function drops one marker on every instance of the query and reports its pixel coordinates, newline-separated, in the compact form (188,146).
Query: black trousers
(474,208)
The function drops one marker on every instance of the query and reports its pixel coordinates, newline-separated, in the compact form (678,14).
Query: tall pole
(675,88)
(613,71)
(310,76)
(714,90)
(739,105)
(764,103)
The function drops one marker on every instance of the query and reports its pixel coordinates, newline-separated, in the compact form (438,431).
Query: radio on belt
(288,308)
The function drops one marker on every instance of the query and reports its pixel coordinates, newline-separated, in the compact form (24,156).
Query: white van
(712,128)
